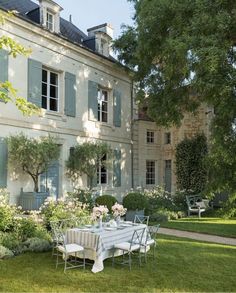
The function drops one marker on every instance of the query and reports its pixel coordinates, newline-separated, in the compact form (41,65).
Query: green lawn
(180,265)
(214,226)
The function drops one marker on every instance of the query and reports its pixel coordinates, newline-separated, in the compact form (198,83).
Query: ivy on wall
(191,169)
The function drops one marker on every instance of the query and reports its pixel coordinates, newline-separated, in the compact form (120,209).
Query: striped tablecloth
(99,244)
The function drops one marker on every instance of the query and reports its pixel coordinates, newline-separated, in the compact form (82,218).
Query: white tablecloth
(99,244)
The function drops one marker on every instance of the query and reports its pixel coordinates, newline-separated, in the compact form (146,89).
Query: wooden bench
(196,205)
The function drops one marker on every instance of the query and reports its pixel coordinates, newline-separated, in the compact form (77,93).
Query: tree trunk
(36,181)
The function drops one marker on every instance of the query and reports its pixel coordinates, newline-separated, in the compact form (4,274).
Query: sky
(89,13)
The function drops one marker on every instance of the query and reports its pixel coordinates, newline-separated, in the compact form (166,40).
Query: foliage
(165,215)
(106,200)
(135,201)
(53,210)
(191,170)
(85,159)
(7,92)
(32,155)
(84,196)
(5,252)
(229,207)
(9,240)
(179,64)
(36,245)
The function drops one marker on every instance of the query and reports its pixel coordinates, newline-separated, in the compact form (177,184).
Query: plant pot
(32,200)
(130,215)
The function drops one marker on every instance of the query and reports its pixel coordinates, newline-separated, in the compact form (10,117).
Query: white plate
(110,228)
(88,226)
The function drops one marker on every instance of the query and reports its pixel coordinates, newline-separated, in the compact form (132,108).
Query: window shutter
(3,163)
(50,180)
(117,108)
(117,168)
(93,100)
(35,82)
(3,65)
(70,94)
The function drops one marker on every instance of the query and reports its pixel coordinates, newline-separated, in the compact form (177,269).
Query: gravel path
(198,236)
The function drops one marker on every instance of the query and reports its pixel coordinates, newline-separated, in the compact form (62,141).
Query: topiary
(36,245)
(106,200)
(135,201)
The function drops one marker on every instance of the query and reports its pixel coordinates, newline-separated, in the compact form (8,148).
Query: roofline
(99,26)
(54,3)
(66,39)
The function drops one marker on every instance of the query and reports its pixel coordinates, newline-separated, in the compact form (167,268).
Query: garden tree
(85,159)
(191,171)
(7,92)
(183,54)
(32,155)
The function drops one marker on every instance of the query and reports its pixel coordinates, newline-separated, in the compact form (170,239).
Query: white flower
(118,210)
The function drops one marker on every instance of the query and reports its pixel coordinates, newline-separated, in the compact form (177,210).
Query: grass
(214,226)
(180,265)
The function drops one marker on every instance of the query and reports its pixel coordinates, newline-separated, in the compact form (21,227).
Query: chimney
(70,19)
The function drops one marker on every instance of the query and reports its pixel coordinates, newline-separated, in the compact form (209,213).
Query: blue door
(50,180)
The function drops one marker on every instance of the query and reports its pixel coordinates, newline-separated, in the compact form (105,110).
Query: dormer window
(50,21)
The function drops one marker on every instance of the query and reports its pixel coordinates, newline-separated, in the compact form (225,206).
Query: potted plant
(135,202)
(33,156)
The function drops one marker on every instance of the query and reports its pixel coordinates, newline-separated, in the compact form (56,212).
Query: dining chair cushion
(70,248)
(150,242)
(126,246)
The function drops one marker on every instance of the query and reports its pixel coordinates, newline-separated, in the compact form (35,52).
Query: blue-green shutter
(35,82)
(117,168)
(50,180)
(117,108)
(3,163)
(93,100)
(3,67)
(70,94)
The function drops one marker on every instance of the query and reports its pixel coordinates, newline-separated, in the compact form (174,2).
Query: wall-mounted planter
(32,200)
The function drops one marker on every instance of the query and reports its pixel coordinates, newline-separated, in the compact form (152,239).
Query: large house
(85,96)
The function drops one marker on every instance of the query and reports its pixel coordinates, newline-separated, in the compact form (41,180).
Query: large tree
(183,54)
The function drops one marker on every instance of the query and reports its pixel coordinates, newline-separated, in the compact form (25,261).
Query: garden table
(99,243)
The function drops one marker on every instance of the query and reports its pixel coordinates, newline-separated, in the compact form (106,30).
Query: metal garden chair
(130,248)
(150,240)
(141,219)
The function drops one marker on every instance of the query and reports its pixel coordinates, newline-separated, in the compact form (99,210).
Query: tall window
(102,171)
(167,138)
(150,136)
(49,90)
(102,105)
(50,21)
(150,172)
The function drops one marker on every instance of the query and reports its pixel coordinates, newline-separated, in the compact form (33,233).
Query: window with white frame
(50,21)
(150,172)
(50,96)
(102,171)
(150,136)
(102,105)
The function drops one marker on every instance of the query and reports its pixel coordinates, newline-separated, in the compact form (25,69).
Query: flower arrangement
(118,210)
(99,212)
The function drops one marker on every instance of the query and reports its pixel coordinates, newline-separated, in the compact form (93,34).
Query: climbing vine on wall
(191,170)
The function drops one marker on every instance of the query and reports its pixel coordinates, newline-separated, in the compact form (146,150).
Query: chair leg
(113,259)
(130,261)
(65,266)
(84,260)
(57,260)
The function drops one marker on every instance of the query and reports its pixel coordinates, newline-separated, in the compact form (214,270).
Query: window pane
(53,105)
(44,89)
(53,91)
(53,78)
(45,76)
(104,95)
(44,102)
(104,106)
(104,117)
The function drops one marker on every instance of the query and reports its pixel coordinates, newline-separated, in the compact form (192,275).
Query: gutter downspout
(132,134)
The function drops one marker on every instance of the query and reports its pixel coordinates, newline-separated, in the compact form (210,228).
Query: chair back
(152,234)
(57,232)
(137,237)
(141,219)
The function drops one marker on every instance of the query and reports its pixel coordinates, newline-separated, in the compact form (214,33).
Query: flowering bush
(99,212)
(118,210)
(64,208)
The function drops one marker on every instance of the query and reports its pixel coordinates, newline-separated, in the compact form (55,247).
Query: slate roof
(30,11)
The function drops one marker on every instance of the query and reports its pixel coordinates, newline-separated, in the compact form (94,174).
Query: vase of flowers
(98,213)
(118,210)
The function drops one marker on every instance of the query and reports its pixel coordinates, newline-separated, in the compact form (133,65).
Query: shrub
(36,245)
(53,210)
(106,200)
(5,252)
(135,201)
(164,216)
(84,196)
(24,227)
(9,240)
